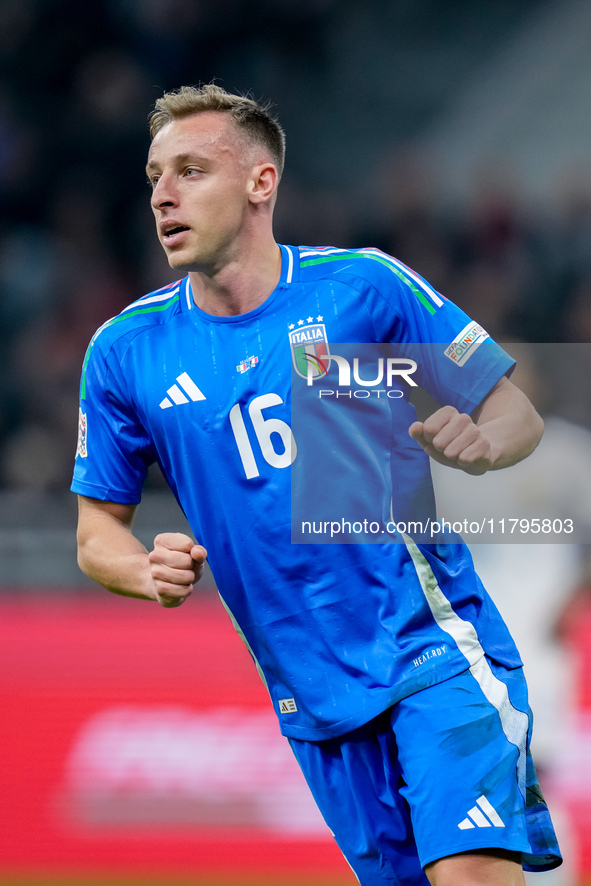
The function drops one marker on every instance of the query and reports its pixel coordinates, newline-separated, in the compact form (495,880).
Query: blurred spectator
(405,216)
(76,237)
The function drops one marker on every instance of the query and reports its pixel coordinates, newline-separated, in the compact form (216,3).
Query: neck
(241,285)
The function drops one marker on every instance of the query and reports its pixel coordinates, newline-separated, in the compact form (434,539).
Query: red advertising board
(138,739)
(134,738)
(570,778)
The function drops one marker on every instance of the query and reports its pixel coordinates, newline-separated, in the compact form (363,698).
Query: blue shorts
(445,770)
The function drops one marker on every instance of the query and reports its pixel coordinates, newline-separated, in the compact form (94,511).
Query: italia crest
(309,350)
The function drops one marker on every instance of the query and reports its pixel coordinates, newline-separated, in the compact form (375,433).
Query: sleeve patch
(81,449)
(466,343)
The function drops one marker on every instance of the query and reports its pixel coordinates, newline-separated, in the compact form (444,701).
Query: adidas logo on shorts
(483,815)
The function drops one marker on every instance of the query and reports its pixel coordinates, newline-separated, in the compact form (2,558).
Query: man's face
(199,174)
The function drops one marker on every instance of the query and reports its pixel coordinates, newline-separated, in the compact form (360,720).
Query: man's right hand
(176,564)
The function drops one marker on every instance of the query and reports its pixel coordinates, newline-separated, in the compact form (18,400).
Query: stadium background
(136,744)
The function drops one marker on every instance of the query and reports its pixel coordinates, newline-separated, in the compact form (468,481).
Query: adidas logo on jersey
(177,396)
(483,815)
(287,706)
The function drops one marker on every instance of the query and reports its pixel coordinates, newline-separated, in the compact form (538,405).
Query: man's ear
(262,183)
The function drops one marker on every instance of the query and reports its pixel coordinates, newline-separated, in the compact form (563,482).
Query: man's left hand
(452,438)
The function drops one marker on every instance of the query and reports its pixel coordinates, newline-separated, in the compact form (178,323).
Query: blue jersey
(338,632)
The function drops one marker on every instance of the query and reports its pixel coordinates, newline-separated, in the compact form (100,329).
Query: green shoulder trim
(152,309)
(395,270)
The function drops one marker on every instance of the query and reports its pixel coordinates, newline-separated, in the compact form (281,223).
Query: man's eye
(153,181)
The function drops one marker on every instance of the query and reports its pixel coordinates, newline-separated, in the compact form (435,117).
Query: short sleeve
(114,450)
(458,362)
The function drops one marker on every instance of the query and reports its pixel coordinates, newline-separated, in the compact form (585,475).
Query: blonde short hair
(251,118)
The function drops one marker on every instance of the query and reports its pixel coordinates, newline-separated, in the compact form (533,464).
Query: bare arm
(110,554)
(503,430)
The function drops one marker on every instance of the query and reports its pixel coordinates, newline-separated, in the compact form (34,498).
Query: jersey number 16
(263,429)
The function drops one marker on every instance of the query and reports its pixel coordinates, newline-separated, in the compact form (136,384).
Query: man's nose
(164,193)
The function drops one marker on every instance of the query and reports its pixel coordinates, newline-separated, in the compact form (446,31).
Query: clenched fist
(453,439)
(176,564)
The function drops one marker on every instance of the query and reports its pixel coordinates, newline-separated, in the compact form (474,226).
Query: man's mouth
(169,233)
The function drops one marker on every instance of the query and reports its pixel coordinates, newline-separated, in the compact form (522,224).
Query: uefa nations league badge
(309,350)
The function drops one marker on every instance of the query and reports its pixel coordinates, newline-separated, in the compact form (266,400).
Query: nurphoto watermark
(359,477)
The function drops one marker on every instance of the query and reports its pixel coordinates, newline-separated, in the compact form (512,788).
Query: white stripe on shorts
(514,723)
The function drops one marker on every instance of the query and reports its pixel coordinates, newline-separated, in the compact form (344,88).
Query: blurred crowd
(76,234)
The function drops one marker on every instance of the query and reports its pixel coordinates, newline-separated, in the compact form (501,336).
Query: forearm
(111,555)
(511,424)
(503,430)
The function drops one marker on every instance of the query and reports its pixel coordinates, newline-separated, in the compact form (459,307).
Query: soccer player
(392,674)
